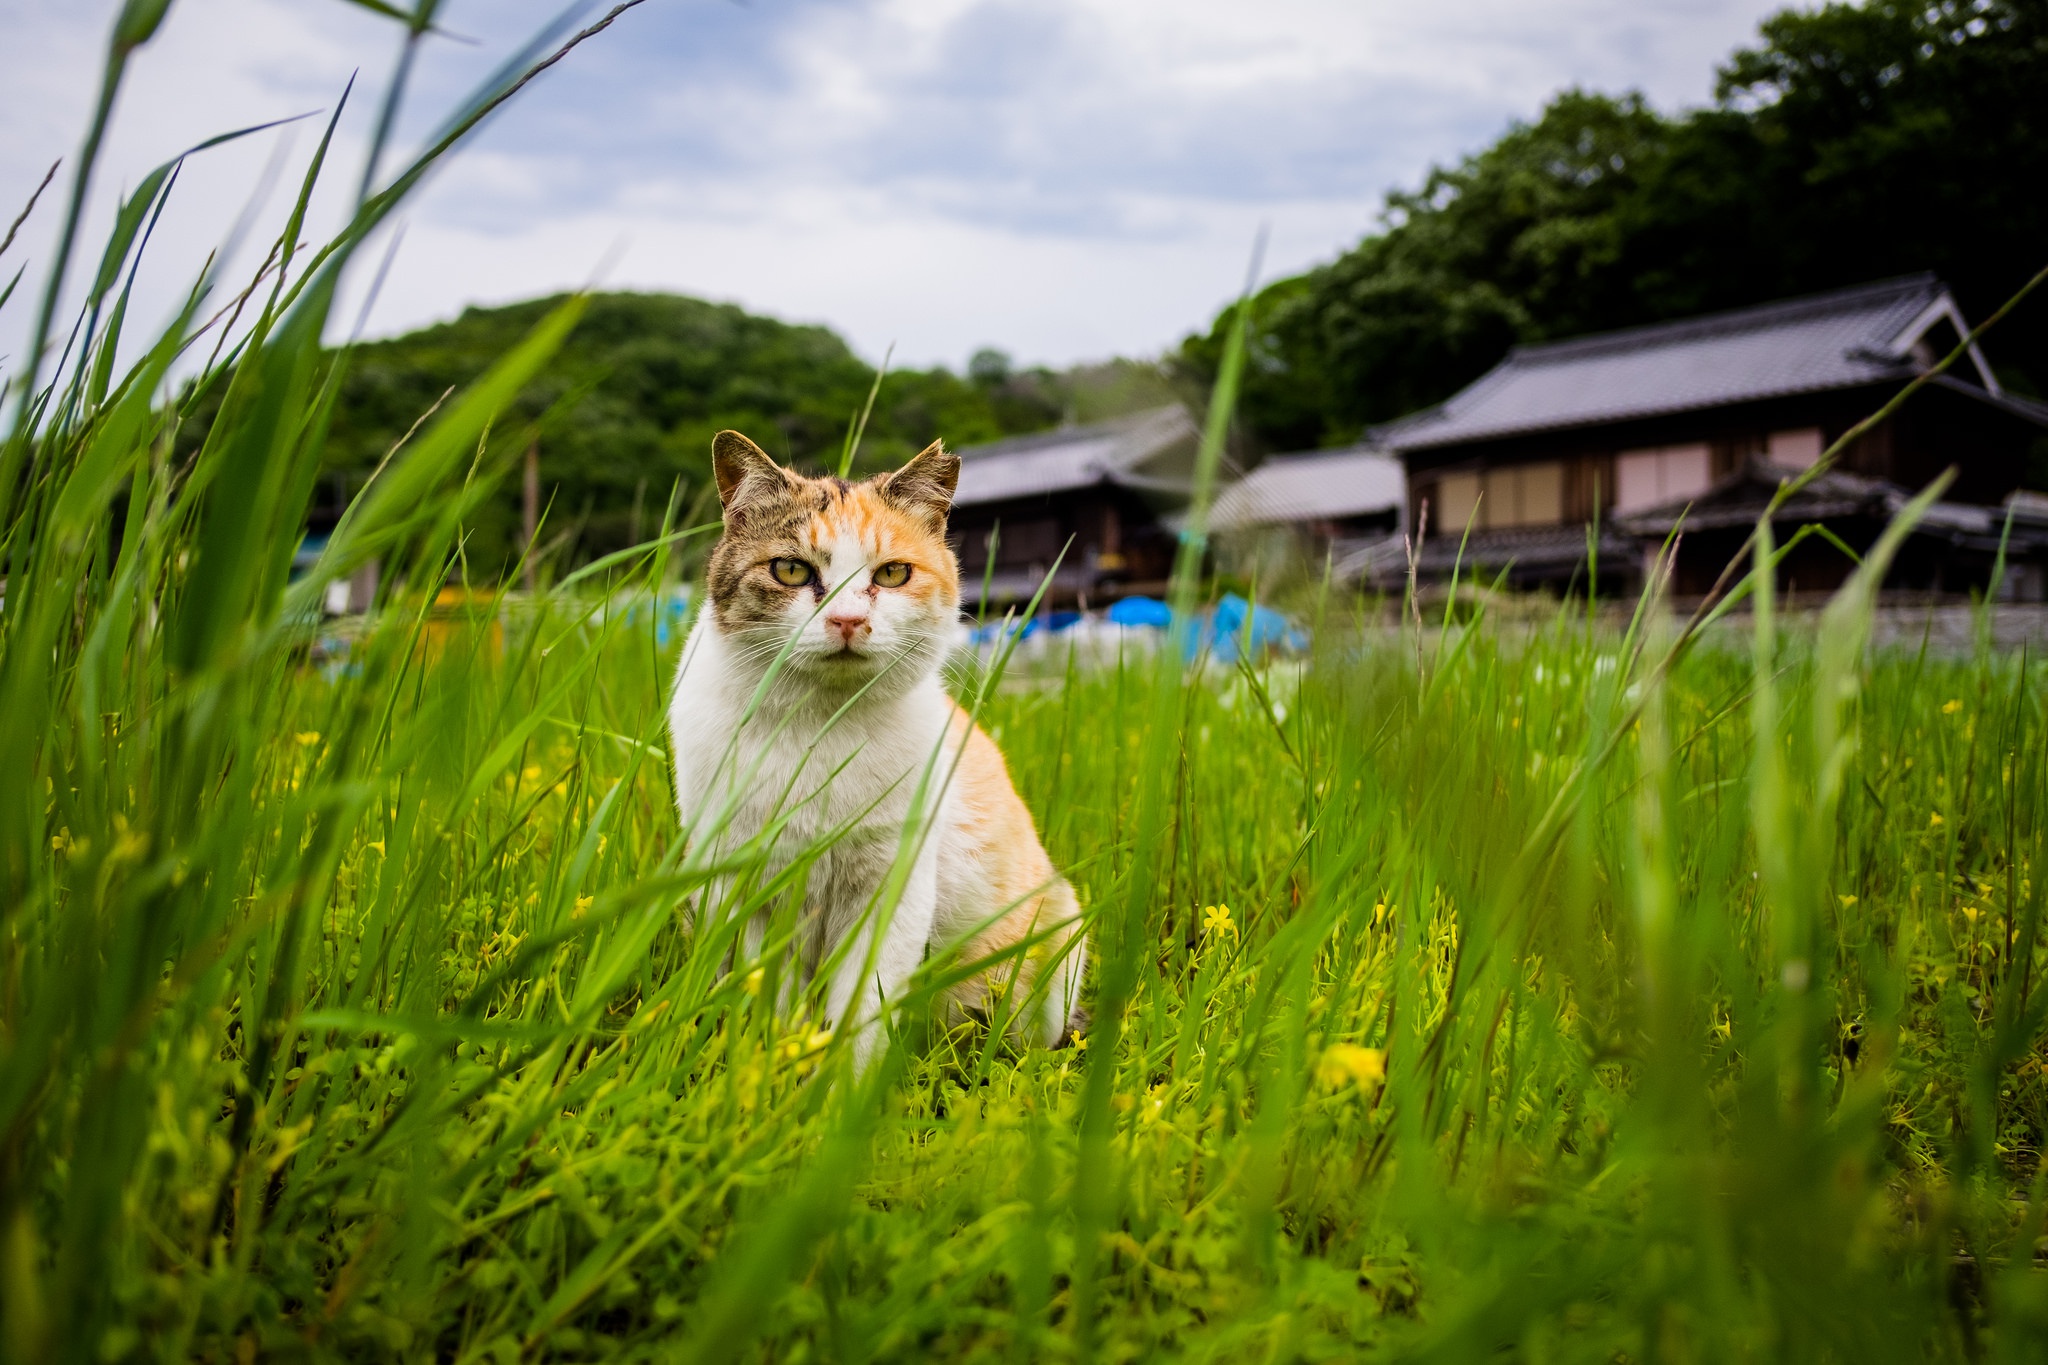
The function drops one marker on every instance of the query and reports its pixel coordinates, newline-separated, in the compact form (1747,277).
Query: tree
(1857,143)
(1853,143)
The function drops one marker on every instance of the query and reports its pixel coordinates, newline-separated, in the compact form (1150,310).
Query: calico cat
(850,595)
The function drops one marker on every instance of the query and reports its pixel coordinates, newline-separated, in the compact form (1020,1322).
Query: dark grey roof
(1126,452)
(1322,483)
(1838,340)
(1539,550)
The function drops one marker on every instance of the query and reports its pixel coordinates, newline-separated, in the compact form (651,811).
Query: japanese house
(1695,422)
(1319,506)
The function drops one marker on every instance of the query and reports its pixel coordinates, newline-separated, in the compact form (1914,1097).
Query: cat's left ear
(924,487)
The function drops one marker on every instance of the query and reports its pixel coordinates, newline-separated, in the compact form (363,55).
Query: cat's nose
(848,626)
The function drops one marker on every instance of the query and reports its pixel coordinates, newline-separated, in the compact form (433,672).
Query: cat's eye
(892,575)
(791,573)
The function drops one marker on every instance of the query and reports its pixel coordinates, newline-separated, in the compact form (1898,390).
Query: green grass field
(387,1040)
(1460,992)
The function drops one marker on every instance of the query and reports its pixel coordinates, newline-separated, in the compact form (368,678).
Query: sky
(1063,179)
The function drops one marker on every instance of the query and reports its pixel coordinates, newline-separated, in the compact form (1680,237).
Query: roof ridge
(1326,452)
(1747,318)
(1085,431)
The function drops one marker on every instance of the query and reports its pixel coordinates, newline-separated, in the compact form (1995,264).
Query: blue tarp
(1235,627)
(671,608)
(1239,627)
(1052,622)
(1141,611)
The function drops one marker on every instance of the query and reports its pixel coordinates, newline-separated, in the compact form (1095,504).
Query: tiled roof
(1075,457)
(1325,483)
(1483,554)
(1827,341)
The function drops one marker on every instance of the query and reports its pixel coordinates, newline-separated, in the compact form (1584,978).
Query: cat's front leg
(870,975)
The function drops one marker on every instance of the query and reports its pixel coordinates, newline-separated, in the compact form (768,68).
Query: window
(1795,449)
(1515,495)
(1525,495)
(1457,496)
(1648,478)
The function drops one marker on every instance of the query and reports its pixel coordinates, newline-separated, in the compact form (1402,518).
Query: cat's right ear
(743,470)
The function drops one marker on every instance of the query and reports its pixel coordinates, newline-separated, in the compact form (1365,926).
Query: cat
(850,595)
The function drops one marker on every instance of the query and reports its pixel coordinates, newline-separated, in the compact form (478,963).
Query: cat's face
(853,578)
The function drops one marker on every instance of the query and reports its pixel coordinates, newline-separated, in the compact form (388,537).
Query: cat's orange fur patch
(1018,872)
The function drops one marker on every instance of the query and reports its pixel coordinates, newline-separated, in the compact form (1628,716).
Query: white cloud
(1066,180)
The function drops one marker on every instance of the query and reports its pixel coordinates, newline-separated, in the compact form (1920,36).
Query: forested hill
(632,401)
(1852,143)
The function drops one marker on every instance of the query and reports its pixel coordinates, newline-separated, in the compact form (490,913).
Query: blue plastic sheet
(1141,611)
(1233,630)
(1051,622)
(1239,628)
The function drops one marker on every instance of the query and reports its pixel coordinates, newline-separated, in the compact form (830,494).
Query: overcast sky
(1065,179)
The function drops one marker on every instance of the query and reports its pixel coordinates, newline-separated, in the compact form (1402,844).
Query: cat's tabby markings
(853,588)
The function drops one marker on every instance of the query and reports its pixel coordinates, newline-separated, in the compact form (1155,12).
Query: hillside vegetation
(628,406)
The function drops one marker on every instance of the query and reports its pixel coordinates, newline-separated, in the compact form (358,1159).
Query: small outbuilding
(1106,494)
(1319,506)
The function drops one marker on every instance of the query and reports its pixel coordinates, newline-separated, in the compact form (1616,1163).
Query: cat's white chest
(809,769)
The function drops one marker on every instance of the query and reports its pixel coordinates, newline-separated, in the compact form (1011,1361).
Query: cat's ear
(743,470)
(924,487)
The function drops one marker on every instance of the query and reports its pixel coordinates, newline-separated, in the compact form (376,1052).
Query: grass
(1460,992)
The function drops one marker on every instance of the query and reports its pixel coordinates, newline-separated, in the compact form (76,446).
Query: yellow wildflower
(752,984)
(307,738)
(1155,1104)
(1950,707)
(1342,1062)
(583,903)
(803,1050)
(1846,901)
(1934,819)
(748,1081)
(1216,920)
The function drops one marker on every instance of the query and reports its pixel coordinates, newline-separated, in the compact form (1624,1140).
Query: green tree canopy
(1853,143)
(629,407)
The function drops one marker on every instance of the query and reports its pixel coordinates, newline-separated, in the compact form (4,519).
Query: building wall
(1113,541)
(1568,478)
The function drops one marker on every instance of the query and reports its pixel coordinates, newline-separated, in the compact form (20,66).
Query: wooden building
(1630,429)
(1317,507)
(1106,494)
